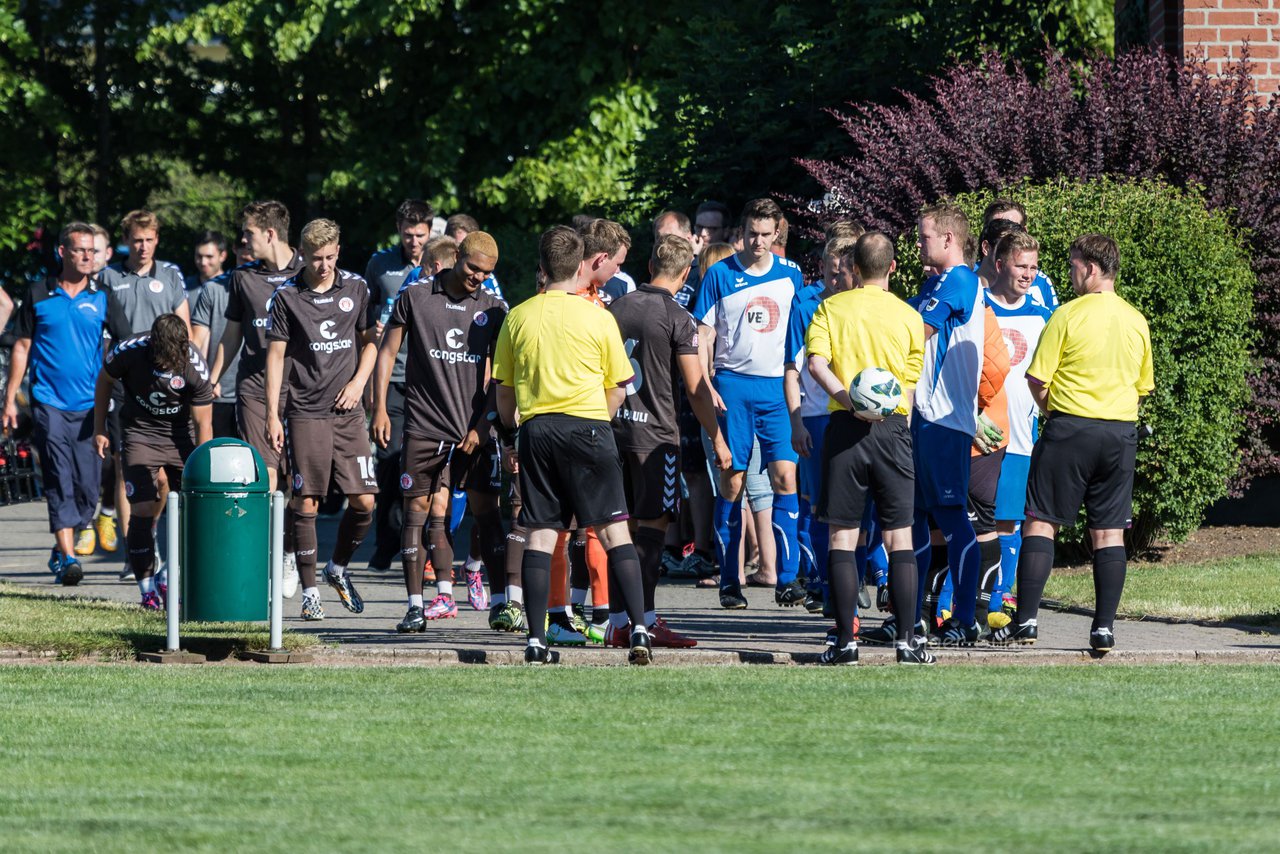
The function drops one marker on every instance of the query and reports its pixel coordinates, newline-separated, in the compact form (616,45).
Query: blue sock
(1010,545)
(821,537)
(786,517)
(963,561)
(457,509)
(808,561)
(946,594)
(728,539)
(921,542)
(878,564)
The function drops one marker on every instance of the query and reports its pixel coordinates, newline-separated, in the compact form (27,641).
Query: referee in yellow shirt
(868,327)
(1090,371)
(561,363)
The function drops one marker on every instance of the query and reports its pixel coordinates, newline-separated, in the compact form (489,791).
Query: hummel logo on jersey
(453,307)
(323,301)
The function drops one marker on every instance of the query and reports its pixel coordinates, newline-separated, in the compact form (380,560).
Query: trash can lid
(225,465)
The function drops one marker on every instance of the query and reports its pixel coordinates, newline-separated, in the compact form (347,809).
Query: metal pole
(277,570)
(174,571)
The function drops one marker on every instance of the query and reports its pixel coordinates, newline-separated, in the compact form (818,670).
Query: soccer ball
(875,393)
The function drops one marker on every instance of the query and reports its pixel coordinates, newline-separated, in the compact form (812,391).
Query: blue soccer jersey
(749,314)
(813,398)
(947,394)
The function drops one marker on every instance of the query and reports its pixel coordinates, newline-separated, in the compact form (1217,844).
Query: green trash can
(225,535)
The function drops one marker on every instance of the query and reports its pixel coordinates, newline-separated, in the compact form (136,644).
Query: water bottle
(387,308)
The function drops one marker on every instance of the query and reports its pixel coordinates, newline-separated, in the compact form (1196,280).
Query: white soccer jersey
(1021,325)
(948,390)
(749,314)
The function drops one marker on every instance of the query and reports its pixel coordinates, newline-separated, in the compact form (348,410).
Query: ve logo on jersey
(454,339)
(762,314)
(1016,343)
(326,330)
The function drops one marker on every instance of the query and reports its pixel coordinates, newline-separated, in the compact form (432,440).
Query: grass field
(1241,589)
(116,758)
(106,629)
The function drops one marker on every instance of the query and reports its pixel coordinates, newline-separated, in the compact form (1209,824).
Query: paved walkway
(761,633)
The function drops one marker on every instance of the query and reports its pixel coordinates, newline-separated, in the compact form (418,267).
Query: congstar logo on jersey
(155,404)
(456,339)
(262,322)
(330,345)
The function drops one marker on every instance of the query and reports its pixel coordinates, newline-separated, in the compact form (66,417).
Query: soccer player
(266,226)
(1022,320)
(208,323)
(863,328)
(102,250)
(58,332)
(210,255)
(1090,372)
(1042,291)
(456,228)
(450,324)
(946,405)
(743,307)
(661,339)
(167,394)
(387,272)
(319,322)
(561,363)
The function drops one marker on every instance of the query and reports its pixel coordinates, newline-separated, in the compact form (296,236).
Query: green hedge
(1188,272)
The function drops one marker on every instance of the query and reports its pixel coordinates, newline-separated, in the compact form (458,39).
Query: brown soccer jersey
(449,342)
(157,406)
(249,305)
(322,331)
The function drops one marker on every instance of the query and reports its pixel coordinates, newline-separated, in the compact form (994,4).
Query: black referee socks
(649,544)
(903,584)
(625,579)
(842,573)
(1108,583)
(1034,565)
(535,572)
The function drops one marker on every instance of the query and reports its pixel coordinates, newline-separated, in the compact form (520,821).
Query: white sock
(311,591)
(650,617)
(577,597)
(515,593)
(415,600)
(337,569)
(445,588)
(498,599)
(110,514)
(902,644)
(147,585)
(473,564)
(618,621)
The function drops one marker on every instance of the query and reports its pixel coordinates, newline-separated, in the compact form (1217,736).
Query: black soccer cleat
(882,597)
(1024,634)
(882,635)
(952,633)
(536,653)
(834,655)
(916,655)
(813,599)
(731,597)
(864,598)
(641,648)
(789,595)
(1102,640)
(413,621)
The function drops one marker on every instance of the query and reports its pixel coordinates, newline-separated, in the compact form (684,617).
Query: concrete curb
(1081,611)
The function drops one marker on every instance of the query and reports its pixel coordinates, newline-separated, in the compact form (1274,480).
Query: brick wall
(1218,30)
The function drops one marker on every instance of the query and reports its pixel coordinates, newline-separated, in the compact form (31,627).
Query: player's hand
(511,460)
(380,429)
(724,459)
(275,432)
(988,436)
(101,444)
(349,398)
(717,401)
(801,441)
(10,420)
(217,390)
(378,327)
(470,442)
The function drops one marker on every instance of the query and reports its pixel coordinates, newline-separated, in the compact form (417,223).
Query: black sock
(648,543)
(412,555)
(352,528)
(1108,584)
(141,542)
(492,541)
(1034,565)
(535,573)
(903,580)
(989,564)
(625,582)
(842,574)
(304,540)
(579,574)
(440,547)
(288,528)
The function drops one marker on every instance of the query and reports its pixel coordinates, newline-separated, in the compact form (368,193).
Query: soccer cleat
(428,573)
(700,566)
(1102,640)
(618,637)
(664,636)
(560,632)
(536,653)
(998,620)
(731,597)
(641,648)
(162,583)
(789,595)
(55,561)
(578,617)
(413,621)
(151,601)
(311,608)
(1024,633)
(672,566)
(441,608)
(596,632)
(346,589)
(86,542)
(126,574)
(951,633)
(507,617)
(882,635)
(882,598)
(833,655)
(289,578)
(917,654)
(864,598)
(70,573)
(1009,604)
(477,598)
(106,528)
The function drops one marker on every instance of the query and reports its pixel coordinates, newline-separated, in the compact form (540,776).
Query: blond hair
(320,233)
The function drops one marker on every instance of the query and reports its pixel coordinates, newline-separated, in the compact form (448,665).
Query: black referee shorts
(1083,459)
(862,459)
(569,467)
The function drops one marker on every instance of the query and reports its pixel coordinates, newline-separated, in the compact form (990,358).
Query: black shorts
(862,459)
(652,481)
(330,450)
(144,458)
(984,476)
(692,456)
(428,466)
(1083,459)
(481,470)
(251,418)
(569,466)
(224,421)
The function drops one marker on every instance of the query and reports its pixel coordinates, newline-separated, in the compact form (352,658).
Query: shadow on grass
(74,627)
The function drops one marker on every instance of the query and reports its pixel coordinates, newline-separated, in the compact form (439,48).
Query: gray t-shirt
(135,300)
(208,310)
(386,273)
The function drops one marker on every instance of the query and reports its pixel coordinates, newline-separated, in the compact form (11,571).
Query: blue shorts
(755,408)
(942,464)
(810,471)
(1011,490)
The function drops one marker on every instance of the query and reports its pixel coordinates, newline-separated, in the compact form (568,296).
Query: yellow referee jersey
(1095,357)
(868,328)
(560,352)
